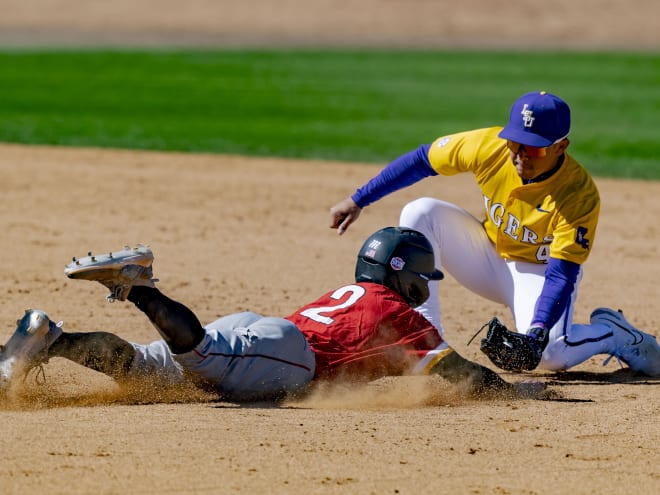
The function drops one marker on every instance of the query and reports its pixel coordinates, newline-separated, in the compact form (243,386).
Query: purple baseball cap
(538,119)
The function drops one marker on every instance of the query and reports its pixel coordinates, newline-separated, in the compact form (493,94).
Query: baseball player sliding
(364,330)
(541,210)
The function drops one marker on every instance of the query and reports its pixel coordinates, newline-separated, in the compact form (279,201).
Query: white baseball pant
(463,250)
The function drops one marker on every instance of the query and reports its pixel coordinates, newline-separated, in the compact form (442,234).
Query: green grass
(341,105)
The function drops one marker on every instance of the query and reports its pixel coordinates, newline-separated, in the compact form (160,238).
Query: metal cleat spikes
(117,270)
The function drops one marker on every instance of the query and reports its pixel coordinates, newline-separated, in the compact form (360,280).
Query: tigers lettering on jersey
(513,226)
(556,217)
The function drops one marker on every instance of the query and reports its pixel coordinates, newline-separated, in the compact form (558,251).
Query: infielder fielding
(541,210)
(364,330)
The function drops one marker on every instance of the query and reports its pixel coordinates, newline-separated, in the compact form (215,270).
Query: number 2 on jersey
(319,314)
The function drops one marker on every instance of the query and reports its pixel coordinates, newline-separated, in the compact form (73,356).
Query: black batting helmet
(401,259)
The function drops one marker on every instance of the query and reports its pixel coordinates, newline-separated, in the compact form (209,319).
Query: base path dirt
(521,24)
(231,234)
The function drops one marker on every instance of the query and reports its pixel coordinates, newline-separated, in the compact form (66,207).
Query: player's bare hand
(343,214)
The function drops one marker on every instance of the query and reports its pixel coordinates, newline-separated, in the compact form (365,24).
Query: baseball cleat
(118,271)
(28,346)
(639,350)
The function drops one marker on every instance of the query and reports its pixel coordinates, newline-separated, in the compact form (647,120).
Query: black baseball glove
(511,351)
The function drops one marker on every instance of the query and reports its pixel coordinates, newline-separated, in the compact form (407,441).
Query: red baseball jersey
(365,330)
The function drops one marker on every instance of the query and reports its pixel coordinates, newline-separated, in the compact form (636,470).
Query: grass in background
(342,105)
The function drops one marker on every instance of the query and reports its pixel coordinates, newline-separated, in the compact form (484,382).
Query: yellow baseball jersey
(556,217)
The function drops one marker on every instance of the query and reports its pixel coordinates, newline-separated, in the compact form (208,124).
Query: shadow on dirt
(622,376)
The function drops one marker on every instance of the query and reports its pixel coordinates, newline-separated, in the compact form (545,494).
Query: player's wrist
(539,331)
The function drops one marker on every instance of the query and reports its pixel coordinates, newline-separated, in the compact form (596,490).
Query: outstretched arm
(480,380)
(450,365)
(402,172)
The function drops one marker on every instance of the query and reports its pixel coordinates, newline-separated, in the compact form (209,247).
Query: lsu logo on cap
(527,116)
(397,263)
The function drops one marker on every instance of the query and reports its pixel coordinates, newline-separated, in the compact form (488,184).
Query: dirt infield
(472,23)
(230,234)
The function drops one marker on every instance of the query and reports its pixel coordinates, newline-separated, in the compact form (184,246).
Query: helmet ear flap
(367,270)
(417,294)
